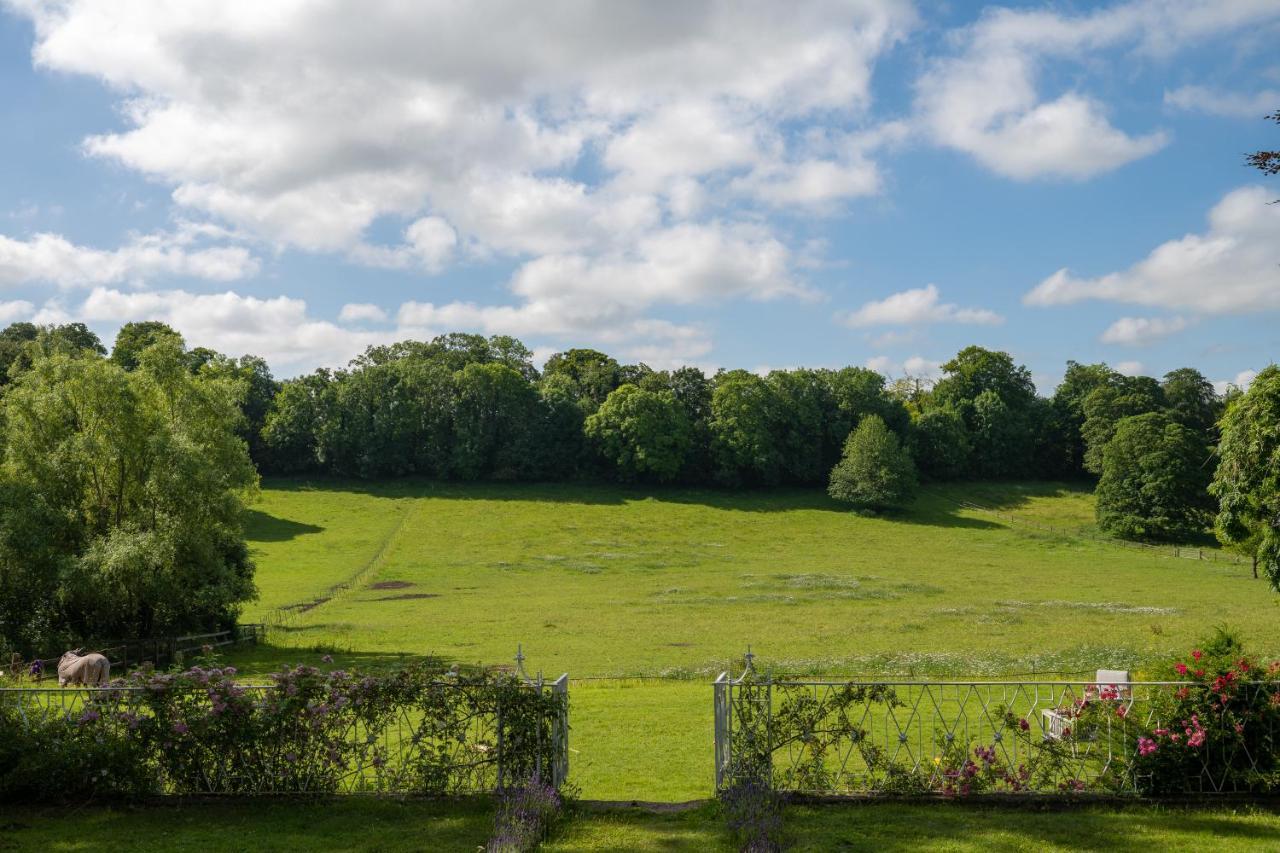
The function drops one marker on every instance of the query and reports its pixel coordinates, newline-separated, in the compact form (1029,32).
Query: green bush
(875,472)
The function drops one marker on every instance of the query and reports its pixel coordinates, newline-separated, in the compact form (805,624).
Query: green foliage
(1106,406)
(135,337)
(642,434)
(995,396)
(1247,480)
(1192,400)
(940,444)
(126,493)
(594,374)
(201,732)
(493,408)
(875,471)
(743,442)
(1154,480)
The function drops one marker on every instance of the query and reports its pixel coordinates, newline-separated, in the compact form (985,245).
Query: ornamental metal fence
(849,738)
(450,735)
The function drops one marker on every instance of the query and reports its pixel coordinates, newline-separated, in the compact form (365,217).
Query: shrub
(199,731)
(875,471)
(525,816)
(753,814)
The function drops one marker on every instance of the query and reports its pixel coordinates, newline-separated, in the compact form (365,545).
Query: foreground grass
(604,581)
(354,824)
(382,825)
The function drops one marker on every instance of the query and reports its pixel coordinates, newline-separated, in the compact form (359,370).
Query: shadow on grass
(262,527)
(896,827)
(926,511)
(267,657)
(337,823)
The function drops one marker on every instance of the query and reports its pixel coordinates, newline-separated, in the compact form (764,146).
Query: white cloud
(1141,331)
(355,312)
(1242,381)
(17,309)
(573,138)
(279,328)
(917,307)
(605,298)
(916,366)
(1227,104)
(1230,268)
(986,101)
(1130,368)
(52,259)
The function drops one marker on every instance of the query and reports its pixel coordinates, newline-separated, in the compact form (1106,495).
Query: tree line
(125,471)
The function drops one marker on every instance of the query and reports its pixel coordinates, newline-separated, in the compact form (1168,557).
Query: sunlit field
(642,596)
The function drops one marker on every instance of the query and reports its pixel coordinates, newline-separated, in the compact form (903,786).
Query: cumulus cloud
(356,312)
(280,329)
(53,259)
(917,306)
(1217,102)
(1130,368)
(915,366)
(1230,268)
(1242,381)
(575,138)
(607,297)
(1141,331)
(986,99)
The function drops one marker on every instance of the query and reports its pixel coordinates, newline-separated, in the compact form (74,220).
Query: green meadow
(644,595)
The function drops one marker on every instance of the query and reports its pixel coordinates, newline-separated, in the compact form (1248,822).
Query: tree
(293,424)
(1247,480)
(1106,406)
(975,370)
(1154,480)
(803,407)
(13,341)
(875,471)
(494,408)
(1192,400)
(743,442)
(133,338)
(940,444)
(995,396)
(642,434)
(125,493)
(1079,381)
(593,373)
(1267,162)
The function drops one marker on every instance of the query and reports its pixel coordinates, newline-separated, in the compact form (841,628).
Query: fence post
(720,714)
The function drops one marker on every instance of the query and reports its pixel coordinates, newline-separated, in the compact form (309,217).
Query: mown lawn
(359,824)
(617,586)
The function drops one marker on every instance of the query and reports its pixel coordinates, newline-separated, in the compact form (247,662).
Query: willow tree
(123,495)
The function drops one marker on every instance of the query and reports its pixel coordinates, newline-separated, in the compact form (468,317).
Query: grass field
(622,586)
(388,826)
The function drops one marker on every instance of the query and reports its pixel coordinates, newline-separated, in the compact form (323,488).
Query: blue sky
(723,184)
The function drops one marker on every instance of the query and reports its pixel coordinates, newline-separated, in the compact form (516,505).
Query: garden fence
(451,736)
(843,738)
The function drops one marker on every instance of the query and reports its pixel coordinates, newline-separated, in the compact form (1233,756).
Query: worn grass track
(610,582)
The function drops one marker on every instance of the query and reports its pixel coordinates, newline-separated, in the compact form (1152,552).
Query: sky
(725,184)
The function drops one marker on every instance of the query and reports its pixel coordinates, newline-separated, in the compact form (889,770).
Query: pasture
(643,595)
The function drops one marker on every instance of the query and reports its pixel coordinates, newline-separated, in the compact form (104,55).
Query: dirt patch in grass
(390,585)
(408,596)
(305,606)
